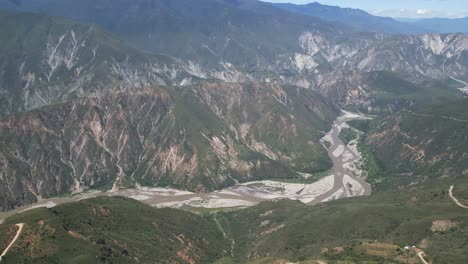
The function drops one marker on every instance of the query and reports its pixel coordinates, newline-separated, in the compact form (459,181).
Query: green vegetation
(361,125)
(371,165)
(391,92)
(461,193)
(347,135)
(7,232)
(364,230)
(429,141)
(307,178)
(292,231)
(114,230)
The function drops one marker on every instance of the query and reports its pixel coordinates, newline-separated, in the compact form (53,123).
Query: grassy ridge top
(120,230)
(290,230)
(115,230)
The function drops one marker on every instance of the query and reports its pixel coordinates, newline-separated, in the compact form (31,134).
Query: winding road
(232,242)
(458,203)
(18,233)
(421,257)
(455,200)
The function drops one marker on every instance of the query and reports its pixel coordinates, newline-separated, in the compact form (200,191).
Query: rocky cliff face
(198,138)
(94,119)
(45,61)
(253,41)
(414,58)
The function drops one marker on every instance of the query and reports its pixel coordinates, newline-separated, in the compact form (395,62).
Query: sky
(399,8)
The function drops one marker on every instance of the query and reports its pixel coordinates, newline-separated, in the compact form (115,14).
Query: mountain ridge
(200,138)
(47,60)
(359,19)
(247,46)
(423,143)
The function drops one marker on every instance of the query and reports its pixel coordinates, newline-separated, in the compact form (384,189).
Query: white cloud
(423,12)
(417,13)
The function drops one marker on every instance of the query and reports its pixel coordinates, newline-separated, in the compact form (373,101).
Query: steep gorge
(200,138)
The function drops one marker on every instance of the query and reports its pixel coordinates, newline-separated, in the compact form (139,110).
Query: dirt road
(455,200)
(231,241)
(420,255)
(18,233)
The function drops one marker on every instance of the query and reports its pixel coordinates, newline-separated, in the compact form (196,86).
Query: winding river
(346,180)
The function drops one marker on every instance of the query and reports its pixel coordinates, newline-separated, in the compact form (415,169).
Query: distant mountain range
(442,25)
(363,21)
(356,18)
(248,40)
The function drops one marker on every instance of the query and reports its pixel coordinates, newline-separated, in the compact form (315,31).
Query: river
(346,180)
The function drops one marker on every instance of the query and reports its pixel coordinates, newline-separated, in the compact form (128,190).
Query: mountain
(82,92)
(362,230)
(362,21)
(372,229)
(96,113)
(442,25)
(382,92)
(248,40)
(45,60)
(356,18)
(200,138)
(416,145)
(116,230)
(243,92)
(244,33)
(100,114)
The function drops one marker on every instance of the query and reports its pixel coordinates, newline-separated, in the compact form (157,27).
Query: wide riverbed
(345,181)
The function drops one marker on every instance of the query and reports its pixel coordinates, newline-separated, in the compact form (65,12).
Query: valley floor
(345,181)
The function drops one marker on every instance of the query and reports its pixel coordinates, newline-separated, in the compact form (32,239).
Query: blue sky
(400,8)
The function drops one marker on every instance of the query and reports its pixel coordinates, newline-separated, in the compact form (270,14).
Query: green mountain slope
(430,141)
(383,92)
(360,230)
(115,230)
(200,138)
(295,232)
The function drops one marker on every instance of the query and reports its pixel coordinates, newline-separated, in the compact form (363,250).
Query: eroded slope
(199,138)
